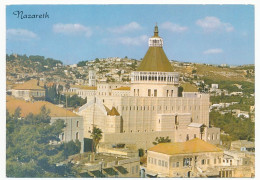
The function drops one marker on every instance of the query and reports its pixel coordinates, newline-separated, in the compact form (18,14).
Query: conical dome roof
(155,59)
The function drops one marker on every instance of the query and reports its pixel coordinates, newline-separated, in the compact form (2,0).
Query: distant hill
(24,64)
(239,73)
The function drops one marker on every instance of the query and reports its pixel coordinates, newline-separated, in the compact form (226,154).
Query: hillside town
(151,117)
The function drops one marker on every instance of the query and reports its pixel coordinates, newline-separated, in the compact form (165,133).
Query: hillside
(31,64)
(239,73)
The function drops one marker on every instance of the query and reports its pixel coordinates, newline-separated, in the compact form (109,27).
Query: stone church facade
(149,107)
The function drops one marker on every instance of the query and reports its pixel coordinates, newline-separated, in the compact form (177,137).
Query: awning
(121,169)
(97,173)
(110,171)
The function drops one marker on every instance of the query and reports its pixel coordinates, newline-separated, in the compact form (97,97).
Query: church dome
(155,59)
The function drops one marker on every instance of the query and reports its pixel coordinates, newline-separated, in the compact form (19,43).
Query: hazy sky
(214,34)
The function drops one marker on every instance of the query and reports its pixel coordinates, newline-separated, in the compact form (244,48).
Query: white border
(3,4)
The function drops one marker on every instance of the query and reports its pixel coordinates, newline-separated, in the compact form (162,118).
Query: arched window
(77,123)
(176,120)
(77,135)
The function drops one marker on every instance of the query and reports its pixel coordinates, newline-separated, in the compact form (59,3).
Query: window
(187,162)
(159,162)
(177,164)
(223,173)
(230,173)
(155,93)
(187,137)
(203,161)
(155,161)
(77,135)
(167,93)
(166,164)
(77,123)
(162,163)
(149,92)
(136,169)
(159,121)
(176,120)
(219,160)
(173,164)
(208,161)
(133,170)
(149,159)
(195,135)
(215,161)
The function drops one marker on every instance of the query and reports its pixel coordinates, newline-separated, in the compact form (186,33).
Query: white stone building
(149,107)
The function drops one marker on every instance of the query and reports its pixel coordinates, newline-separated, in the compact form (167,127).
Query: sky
(214,34)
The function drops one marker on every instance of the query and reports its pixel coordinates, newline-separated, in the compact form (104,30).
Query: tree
(31,150)
(119,73)
(81,63)
(202,128)
(180,90)
(67,86)
(159,140)
(141,152)
(60,88)
(75,101)
(96,136)
(71,148)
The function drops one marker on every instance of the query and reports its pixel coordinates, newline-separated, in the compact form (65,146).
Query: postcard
(129,90)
